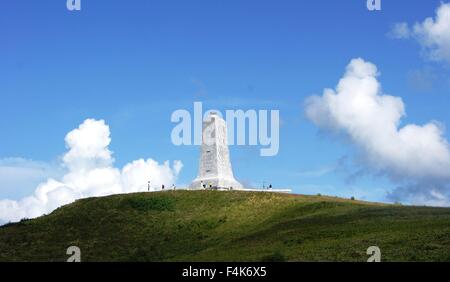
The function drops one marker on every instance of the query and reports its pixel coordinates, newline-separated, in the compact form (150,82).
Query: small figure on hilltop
(148,187)
(173,187)
(162,187)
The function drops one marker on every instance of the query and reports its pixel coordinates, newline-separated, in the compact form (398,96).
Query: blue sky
(132,63)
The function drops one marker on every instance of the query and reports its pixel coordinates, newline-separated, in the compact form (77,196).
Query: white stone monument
(215,167)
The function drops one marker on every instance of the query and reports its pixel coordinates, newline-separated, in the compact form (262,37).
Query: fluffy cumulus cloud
(433,34)
(417,157)
(90,172)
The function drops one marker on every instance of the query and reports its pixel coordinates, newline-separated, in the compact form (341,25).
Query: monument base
(216,183)
(242,189)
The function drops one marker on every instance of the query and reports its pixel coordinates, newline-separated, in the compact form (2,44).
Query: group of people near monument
(202,185)
(210,186)
(162,187)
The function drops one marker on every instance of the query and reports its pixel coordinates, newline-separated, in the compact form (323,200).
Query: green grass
(229,226)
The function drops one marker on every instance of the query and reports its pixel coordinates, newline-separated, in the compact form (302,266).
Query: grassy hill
(229,226)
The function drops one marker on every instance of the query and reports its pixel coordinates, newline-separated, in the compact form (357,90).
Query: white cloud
(400,31)
(433,34)
(90,173)
(136,174)
(88,146)
(428,194)
(358,108)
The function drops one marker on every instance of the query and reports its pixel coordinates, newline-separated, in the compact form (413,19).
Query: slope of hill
(229,226)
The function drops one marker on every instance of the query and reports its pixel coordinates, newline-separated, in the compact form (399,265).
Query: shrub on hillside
(153,203)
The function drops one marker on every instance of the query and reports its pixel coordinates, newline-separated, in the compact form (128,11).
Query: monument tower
(215,167)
